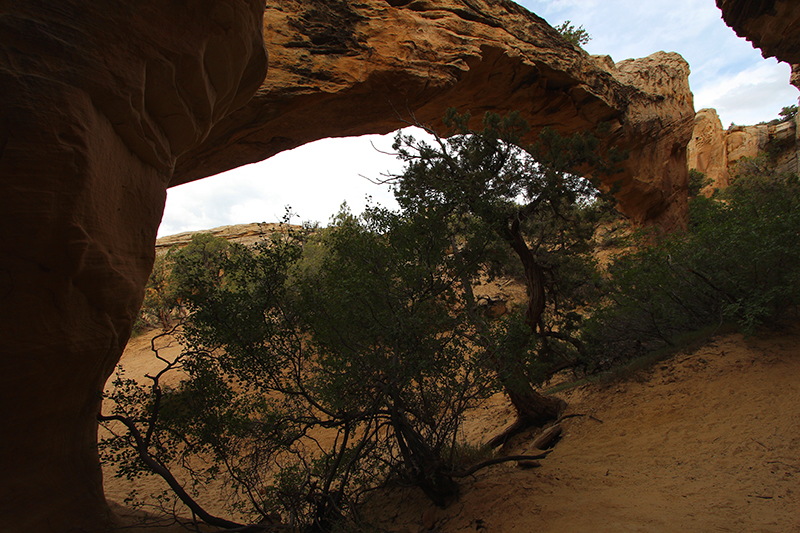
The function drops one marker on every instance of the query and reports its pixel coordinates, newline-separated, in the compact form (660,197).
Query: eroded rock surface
(347,68)
(716,152)
(772,25)
(97,102)
(707,150)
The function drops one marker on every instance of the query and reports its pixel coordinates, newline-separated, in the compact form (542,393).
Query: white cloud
(313,179)
(750,96)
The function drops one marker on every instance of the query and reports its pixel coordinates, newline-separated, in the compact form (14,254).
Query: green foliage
(738,262)
(180,275)
(160,298)
(347,337)
(788,113)
(536,206)
(697,182)
(383,311)
(198,267)
(577,36)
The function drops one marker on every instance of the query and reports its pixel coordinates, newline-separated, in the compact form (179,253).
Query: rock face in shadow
(98,101)
(106,104)
(346,68)
(771,25)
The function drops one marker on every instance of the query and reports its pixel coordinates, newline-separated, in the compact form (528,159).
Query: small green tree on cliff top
(577,36)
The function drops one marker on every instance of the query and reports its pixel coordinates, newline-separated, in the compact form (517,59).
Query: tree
(180,274)
(160,299)
(577,36)
(534,203)
(788,113)
(389,327)
(199,267)
(316,366)
(697,182)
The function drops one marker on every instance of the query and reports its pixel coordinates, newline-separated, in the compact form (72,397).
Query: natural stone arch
(377,65)
(104,105)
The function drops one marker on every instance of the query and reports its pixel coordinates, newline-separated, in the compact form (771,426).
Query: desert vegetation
(325,363)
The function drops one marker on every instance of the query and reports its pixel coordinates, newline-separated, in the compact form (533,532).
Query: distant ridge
(247,234)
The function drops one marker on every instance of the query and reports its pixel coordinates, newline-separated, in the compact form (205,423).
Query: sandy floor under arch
(707,441)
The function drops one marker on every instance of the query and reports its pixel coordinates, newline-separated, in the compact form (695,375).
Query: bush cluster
(738,262)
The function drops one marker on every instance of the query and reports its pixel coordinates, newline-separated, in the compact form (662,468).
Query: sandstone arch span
(103,105)
(772,25)
(346,68)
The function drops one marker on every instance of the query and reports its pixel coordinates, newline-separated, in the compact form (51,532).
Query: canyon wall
(715,151)
(774,27)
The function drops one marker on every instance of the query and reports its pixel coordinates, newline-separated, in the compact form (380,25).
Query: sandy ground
(707,441)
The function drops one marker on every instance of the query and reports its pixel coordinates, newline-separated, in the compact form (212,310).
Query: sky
(314,180)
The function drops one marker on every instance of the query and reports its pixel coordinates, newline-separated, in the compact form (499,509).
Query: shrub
(739,261)
(788,113)
(577,36)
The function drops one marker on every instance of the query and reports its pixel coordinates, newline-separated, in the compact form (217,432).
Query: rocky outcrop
(106,104)
(772,25)
(716,152)
(245,234)
(654,181)
(707,151)
(347,68)
(98,101)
